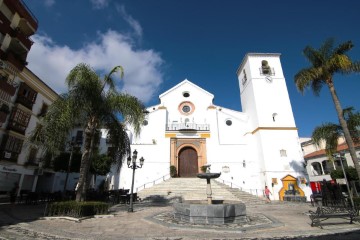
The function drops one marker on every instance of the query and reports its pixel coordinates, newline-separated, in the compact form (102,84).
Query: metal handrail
(163,178)
(256,192)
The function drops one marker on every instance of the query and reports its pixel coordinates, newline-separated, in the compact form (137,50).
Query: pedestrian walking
(267,194)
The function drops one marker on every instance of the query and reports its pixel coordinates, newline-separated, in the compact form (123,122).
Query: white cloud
(98,4)
(52,62)
(49,3)
(130,20)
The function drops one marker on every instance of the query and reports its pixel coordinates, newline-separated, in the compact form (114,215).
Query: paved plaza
(276,220)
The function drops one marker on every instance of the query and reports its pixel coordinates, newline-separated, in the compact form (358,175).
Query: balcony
(6,87)
(28,22)
(20,39)
(187,127)
(16,60)
(5,26)
(268,71)
(17,127)
(19,47)
(24,101)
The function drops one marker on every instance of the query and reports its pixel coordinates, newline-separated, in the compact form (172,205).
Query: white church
(252,149)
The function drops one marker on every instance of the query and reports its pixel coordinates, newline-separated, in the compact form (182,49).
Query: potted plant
(173,172)
(203,168)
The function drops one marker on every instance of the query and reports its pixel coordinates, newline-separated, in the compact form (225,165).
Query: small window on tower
(283,153)
(274,116)
(244,78)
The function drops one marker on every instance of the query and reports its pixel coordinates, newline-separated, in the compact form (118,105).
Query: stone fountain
(212,212)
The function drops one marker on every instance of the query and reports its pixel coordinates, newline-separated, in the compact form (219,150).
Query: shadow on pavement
(19,213)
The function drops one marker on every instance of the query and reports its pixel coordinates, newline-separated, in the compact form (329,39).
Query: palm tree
(329,133)
(325,62)
(93,103)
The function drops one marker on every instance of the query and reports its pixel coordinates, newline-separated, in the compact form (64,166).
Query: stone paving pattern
(276,220)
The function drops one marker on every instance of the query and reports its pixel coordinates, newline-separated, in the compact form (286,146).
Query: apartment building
(23,98)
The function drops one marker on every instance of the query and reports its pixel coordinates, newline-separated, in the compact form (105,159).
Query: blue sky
(162,42)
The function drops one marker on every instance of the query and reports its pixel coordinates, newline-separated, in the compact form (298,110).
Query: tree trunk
(344,126)
(85,161)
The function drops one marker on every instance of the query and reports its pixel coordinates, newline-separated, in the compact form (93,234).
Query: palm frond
(355,67)
(315,57)
(326,48)
(51,133)
(82,74)
(339,63)
(108,79)
(347,112)
(328,133)
(306,78)
(130,108)
(353,122)
(118,138)
(343,48)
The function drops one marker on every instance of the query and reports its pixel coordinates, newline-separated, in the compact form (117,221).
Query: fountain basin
(208,175)
(217,214)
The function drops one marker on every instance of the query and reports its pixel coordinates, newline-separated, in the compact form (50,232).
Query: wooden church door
(188,162)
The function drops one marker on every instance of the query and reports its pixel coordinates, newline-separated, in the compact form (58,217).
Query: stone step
(247,198)
(195,189)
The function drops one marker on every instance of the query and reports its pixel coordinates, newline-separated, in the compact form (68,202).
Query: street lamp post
(131,162)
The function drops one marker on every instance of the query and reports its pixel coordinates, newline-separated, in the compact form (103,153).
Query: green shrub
(203,169)
(350,172)
(173,172)
(356,201)
(76,209)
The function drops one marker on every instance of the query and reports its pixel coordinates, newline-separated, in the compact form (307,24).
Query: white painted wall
(252,155)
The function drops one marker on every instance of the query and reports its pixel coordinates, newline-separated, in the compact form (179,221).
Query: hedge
(76,209)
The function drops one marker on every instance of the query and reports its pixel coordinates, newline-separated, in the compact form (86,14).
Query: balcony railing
(23,10)
(18,37)
(187,127)
(24,101)
(17,127)
(6,87)
(267,71)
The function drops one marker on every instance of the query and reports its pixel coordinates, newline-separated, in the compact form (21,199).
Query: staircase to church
(195,189)
(245,197)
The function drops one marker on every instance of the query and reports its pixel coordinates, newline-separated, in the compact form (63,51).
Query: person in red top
(267,194)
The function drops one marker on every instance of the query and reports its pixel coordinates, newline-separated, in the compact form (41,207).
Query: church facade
(252,149)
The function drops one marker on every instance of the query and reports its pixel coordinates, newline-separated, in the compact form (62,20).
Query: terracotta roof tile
(321,152)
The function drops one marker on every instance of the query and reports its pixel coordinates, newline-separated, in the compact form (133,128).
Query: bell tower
(263,91)
(274,137)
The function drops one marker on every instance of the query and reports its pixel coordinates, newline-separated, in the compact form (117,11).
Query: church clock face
(268,79)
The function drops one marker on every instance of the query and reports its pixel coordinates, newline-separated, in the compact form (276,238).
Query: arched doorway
(188,162)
